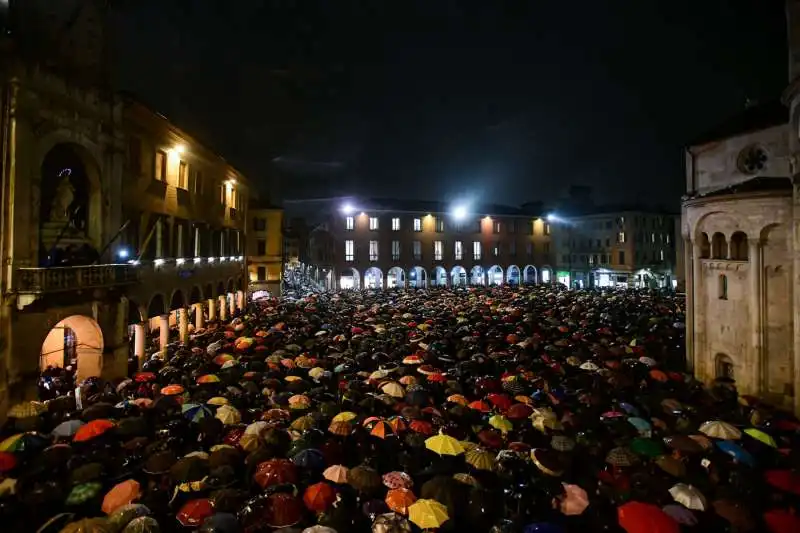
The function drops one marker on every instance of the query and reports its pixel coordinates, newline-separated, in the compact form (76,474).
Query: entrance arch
(417,277)
(458,276)
(395,278)
(373,278)
(477,276)
(75,341)
(495,275)
(529,274)
(513,275)
(439,277)
(349,279)
(724,366)
(547,274)
(70,207)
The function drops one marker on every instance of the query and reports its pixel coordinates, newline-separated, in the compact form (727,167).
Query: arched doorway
(529,275)
(349,279)
(547,274)
(395,278)
(70,207)
(477,276)
(724,367)
(373,278)
(495,275)
(417,278)
(439,277)
(76,342)
(513,275)
(458,276)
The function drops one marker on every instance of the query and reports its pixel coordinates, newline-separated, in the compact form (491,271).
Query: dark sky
(495,100)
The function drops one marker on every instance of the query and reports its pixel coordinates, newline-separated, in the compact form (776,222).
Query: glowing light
(210,259)
(198,259)
(460,212)
(180,260)
(347,209)
(552,217)
(123,253)
(179,148)
(133,262)
(158,262)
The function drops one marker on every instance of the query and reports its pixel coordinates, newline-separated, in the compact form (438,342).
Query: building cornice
(732,197)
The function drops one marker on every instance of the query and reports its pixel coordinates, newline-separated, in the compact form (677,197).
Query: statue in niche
(64,196)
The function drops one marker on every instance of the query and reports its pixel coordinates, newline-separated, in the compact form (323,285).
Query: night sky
(440,99)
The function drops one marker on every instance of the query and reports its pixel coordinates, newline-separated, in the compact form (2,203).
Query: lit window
(417,224)
(349,223)
(182,175)
(395,250)
(373,250)
(349,251)
(545,276)
(547,228)
(496,226)
(439,224)
(395,224)
(373,223)
(661,254)
(667,238)
(621,237)
(437,250)
(476,250)
(496,250)
(417,250)
(160,170)
(591,260)
(652,237)
(459,250)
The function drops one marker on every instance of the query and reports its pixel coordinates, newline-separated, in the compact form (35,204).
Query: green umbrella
(646,447)
(83,493)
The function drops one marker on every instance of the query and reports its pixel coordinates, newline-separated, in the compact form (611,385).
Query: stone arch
(196,296)
(738,246)
(697,229)
(231,287)
(373,278)
(494,276)
(724,367)
(417,277)
(719,246)
(240,286)
(136,313)
(395,278)
(156,307)
(705,245)
(350,279)
(513,276)
(220,289)
(438,277)
(529,274)
(477,276)
(177,300)
(458,276)
(208,291)
(547,274)
(76,338)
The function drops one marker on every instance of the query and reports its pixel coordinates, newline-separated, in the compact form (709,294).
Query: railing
(62,279)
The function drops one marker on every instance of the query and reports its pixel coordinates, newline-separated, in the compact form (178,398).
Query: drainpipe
(9,144)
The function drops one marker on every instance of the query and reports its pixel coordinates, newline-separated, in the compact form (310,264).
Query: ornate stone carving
(65,194)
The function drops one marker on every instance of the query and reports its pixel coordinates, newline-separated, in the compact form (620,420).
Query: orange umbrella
(172,390)
(381,430)
(319,497)
(336,473)
(659,375)
(399,500)
(340,428)
(122,494)
(93,429)
(398,424)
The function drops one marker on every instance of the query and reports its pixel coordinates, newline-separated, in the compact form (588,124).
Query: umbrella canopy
(720,430)
(444,445)
(120,495)
(426,513)
(638,517)
(688,496)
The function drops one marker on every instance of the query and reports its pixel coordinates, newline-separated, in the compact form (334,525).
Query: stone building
(113,221)
(265,255)
(374,243)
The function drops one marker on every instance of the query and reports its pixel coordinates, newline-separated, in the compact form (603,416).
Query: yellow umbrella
(480,459)
(428,514)
(460,399)
(761,436)
(468,445)
(27,410)
(467,479)
(444,445)
(292,378)
(379,374)
(218,400)
(502,423)
(228,415)
(303,423)
(720,430)
(344,416)
(543,412)
(395,390)
(316,372)
(543,424)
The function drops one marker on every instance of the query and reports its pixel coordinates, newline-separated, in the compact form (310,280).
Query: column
(756,315)
(689,281)
(212,309)
(199,321)
(240,300)
(223,307)
(183,324)
(697,340)
(163,333)
(139,342)
(231,304)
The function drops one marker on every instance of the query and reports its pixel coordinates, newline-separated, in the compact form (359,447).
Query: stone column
(756,315)
(231,303)
(163,333)
(212,309)
(199,319)
(690,302)
(139,342)
(241,301)
(183,324)
(697,340)
(223,307)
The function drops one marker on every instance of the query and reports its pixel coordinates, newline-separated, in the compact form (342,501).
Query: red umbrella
(437,378)
(144,377)
(93,429)
(481,406)
(782,521)
(422,426)
(283,510)
(275,472)
(784,480)
(319,497)
(519,411)
(194,512)
(500,401)
(7,461)
(638,517)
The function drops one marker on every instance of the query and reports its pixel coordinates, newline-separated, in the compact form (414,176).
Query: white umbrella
(688,496)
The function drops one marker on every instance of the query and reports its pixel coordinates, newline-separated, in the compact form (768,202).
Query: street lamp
(348,209)
(460,212)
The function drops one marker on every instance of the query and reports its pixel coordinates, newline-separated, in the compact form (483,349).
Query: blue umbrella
(736,451)
(543,527)
(309,458)
(194,412)
(642,426)
(628,408)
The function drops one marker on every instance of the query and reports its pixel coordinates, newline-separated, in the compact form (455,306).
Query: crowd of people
(503,409)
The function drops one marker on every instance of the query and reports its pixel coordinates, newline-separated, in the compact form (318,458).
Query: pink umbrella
(575,500)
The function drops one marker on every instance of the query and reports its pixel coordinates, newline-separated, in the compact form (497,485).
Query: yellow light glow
(487,217)
(362,214)
(179,148)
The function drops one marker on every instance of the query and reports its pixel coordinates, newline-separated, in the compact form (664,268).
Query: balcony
(63,279)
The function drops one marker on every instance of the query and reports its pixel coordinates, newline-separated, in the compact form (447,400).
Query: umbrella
(364,479)
(122,494)
(621,457)
(761,437)
(683,443)
(642,426)
(27,410)
(395,390)
(345,416)
(88,525)
(340,428)
(93,429)
(501,423)
(208,378)
(427,513)
(547,461)
(319,497)
(782,521)
(195,412)
(671,466)
(638,517)
(144,377)
(23,442)
(172,390)
(562,443)
(480,459)
(275,472)
(736,451)
(400,499)
(193,512)
(397,480)
(381,429)
(81,494)
(688,496)
(67,428)
(680,514)
(784,480)
(336,473)
(444,445)
(720,430)
(228,415)
(646,447)
(142,524)
(575,500)
(391,523)
(124,514)
(7,461)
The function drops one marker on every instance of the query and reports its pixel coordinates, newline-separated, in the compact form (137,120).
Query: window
(458,250)
(198,182)
(395,250)
(437,250)
(349,223)
(159,238)
(621,237)
(179,240)
(417,250)
(565,258)
(135,155)
(666,238)
(476,250)
(512,248)
(621,221)
(652,237)
(349,251)
(591,260)
(222,196)
(439,224)
(621,257)
(373,250)
(373,223)
(259,224)
(608,243)
(262,273)
(197,243)
(478,226)
(512,226)
(496,249)
(529,249)
(160,172)
(395,224)
(182,175)
(261,247)
(547,228)
(723,287)
(496,226)
(417,224)
(547,247)
(529,228)
(661,255)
